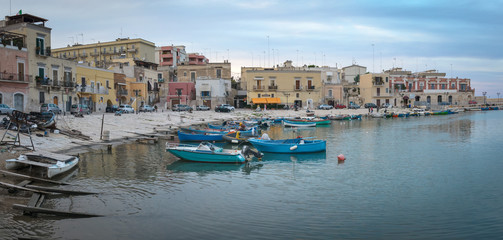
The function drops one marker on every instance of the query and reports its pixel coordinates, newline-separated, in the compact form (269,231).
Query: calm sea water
(437,177)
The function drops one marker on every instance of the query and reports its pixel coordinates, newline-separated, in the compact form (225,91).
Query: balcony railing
(83,55)
(15,77)
(160,80)
(310,88)
(122,92)
(94,54)
(43,52)
(131,50)
(273,87)
(297,88)
(68,84)
(40,81)
(259,87)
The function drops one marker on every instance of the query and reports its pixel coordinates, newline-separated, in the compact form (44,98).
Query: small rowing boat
(52,164)
(205,152)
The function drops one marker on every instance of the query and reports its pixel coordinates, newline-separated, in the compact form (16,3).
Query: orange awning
(265,100)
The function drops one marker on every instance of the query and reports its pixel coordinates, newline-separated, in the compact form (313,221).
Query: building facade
(95,88)
(189,73)
(171,56)
(212,92)
(14,70)
(349,73)
(293,86)
(180,93)
(51,80)
(104,54)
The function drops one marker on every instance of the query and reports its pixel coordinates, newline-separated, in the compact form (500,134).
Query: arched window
(439,98)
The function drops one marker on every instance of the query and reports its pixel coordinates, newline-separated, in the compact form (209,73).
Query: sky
(460,38)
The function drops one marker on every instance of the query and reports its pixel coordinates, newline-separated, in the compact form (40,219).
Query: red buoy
(341,157)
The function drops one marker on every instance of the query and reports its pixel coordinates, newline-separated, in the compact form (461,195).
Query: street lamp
(286,95)
(484,93)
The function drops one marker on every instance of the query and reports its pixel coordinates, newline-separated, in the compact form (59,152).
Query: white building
(350,72)
(212,92)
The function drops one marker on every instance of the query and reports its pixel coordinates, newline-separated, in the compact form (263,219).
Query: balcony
(40,51)
(83,55)
(133,50)
(160,80)
(259,88)
(68,84)
(310,88)
(43,81)
(56,84)
(14,77)
(94,54)
(297,88)
(273,87)
(122,92)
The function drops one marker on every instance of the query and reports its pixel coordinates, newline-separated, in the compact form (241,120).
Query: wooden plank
(56,190)
(8,185)
(35,201)
(24,183)
(33,178)
(54,212)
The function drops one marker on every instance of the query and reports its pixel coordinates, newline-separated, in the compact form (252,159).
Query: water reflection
(198,167)
(300,157)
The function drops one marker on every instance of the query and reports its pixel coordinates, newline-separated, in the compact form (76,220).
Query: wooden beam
(10,186)
(57,190)
(33,178)
(54,212)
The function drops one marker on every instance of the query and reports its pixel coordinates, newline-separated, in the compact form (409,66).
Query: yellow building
(103,54)
(283,85)
(95,88)
(137,92)
(374,88)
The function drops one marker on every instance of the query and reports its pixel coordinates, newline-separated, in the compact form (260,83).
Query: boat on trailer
(52,164)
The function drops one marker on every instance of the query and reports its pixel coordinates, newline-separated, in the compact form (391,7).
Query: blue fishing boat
(296,145)
(205,152)
(312,120)
(200,136)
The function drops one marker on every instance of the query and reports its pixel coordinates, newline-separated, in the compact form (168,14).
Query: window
(298,95)
(193,76)
(115,49)
(108,86)
(219,73)
(179,91)
(453,86)
(185,74)
(432,86)
(83,81)
(40,46)
(386,79)
(387,90)
(443,86)
(272,95)
(159,76)
(258,95)
(330,92)
(205,94)
(41,97)
(272,81)
(55,75)
(95,50)
(132,46)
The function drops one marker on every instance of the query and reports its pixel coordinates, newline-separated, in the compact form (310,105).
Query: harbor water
(436,177)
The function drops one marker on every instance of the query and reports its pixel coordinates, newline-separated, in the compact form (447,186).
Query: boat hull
(287,123)
(188,137)
(207,156)
(288,145)
(50,170)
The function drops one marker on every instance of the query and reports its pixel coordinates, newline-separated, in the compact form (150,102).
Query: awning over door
(265,100)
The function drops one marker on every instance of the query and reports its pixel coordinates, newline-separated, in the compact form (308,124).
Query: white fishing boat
(51,164)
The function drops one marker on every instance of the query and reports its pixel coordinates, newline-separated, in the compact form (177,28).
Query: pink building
(196,59)
(181,93)
(171,55)
(14,78)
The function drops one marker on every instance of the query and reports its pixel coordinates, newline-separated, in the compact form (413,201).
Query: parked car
(353,106)
(387,105)
(202,108)
(325,107)
(5,109)
(111,108)
(80,108)
(472,102)
(126,108)
(370,105)
(182,107)
(146,108)
(224,108)
(340,106)
(50,107)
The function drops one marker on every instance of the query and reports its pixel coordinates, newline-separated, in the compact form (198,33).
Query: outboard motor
(247,151)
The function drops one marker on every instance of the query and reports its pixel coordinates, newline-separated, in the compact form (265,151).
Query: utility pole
(373,69)
(268,53)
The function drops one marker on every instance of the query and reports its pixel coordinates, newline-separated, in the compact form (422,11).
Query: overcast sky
(461,38)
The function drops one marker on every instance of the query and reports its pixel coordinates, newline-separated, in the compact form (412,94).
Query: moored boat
(296,145)
(205,152)
(288,123)
(52,164)
(312,120)
(183,137)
